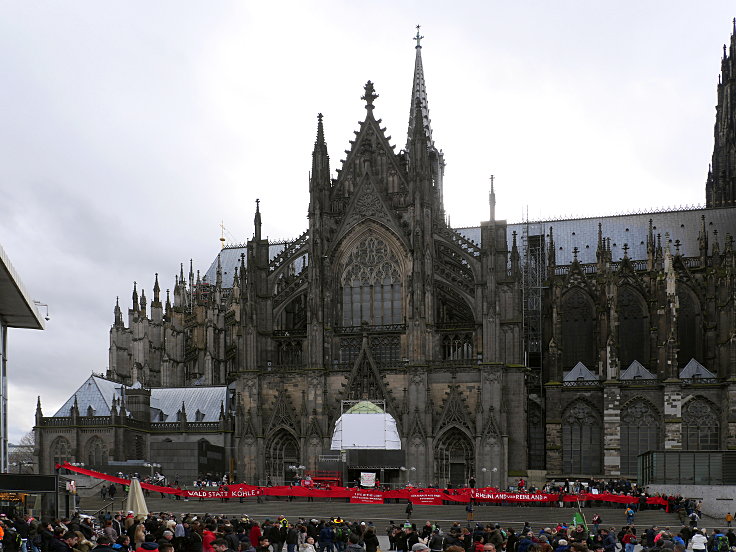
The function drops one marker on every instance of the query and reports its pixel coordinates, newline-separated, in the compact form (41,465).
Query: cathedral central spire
(420,126)
(720,187)
(419,92)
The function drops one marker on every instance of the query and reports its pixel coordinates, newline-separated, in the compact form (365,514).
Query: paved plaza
(381,514)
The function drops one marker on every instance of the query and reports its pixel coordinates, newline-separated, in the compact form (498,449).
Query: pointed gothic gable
(372,145)
(283,414)
(366,382)
(314,429)
(454,410)
(580,372)
(249,427)
(695,370)
(367,203)
(636,371)
(416,427)
(576,278)
(491,427)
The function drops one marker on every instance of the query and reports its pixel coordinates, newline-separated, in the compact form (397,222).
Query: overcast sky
(130,130)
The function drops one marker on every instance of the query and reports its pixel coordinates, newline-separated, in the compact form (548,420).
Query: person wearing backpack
(718,542)
(629,516)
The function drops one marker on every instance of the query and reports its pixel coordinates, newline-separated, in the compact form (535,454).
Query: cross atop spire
(418,38)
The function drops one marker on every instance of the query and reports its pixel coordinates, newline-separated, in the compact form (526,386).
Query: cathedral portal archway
(581,439)
(282,455)
(454,457)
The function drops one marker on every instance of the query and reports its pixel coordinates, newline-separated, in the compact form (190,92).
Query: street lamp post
(151,465)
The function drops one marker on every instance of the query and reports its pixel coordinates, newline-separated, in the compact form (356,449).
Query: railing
(357,330)
(451,362)
(295,367)
(57,421)
(699,381)
(290,333)
(639,381)
(581,383)
(385,364)
(455,326)
(639,265)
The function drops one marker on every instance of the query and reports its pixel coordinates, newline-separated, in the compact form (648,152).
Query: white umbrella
(136,502)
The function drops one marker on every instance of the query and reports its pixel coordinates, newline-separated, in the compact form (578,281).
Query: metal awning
(17,309)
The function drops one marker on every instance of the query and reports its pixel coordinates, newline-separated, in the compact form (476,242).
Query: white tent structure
(365,425)
(136,501)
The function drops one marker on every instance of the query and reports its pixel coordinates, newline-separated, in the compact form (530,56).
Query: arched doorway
(282,454)
(454,458)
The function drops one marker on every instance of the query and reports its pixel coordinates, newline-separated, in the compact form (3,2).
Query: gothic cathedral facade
(378,299)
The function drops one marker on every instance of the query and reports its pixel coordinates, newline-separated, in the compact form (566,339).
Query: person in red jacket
(208,535)
(255,534)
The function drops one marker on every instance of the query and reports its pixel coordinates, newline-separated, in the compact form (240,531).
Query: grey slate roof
(694,369)
(683,225)
(636,371)
(580,372)
(98,393)
(230,259)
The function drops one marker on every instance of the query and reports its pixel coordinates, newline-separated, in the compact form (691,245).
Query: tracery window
(578,329)
(96,452)
(61,451)
(581,440)
(457,346)
(689,334)
(640,431)
(700,425)
(633,327)
(371,285)
(535,430)
(289,352)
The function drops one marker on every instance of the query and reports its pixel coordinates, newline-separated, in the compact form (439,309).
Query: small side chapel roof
(96,392)
(99,392)
(694,369)
(636,371)
(580,372)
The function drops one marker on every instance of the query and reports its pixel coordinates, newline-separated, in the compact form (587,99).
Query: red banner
(370,496)
(428,497)
(367,497)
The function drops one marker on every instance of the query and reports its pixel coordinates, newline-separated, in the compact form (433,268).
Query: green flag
(578,519)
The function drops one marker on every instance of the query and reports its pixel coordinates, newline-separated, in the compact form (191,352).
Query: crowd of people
(166,532)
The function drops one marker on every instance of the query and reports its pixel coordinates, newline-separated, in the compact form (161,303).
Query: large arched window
(640,430)
(453,457)
(700,425)
(633,327)
(578,329)
(96,452)
(371,285)
(536,432)
(61,451)
(282,455)
(581,440)
(689,334)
